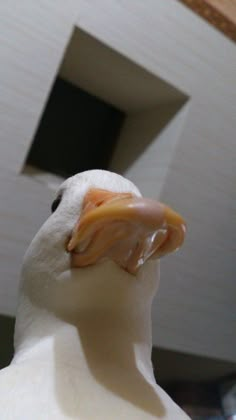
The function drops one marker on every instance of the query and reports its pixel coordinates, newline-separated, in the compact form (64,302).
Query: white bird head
(98,245)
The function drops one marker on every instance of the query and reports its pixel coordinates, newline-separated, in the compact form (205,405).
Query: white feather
(83,336)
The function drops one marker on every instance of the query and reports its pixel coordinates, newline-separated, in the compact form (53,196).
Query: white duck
(83,327)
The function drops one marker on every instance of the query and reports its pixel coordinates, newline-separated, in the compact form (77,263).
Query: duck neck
(111,336)
(105,337)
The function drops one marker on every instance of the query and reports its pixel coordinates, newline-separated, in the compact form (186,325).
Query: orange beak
(124,228)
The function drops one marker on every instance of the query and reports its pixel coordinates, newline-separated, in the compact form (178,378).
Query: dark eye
(56,203)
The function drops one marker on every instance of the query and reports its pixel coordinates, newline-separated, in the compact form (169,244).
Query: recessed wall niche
(77,131)
(104,111)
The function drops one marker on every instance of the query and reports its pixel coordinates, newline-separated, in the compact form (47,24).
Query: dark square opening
(77,132)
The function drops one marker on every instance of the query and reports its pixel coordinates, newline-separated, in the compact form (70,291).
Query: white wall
(195,310)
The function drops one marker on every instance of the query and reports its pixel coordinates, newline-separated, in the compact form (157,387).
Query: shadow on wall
(7,324)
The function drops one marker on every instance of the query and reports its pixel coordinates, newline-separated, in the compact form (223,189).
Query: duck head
(98,244)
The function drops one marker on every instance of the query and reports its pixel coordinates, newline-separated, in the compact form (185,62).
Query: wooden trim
(221,15)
